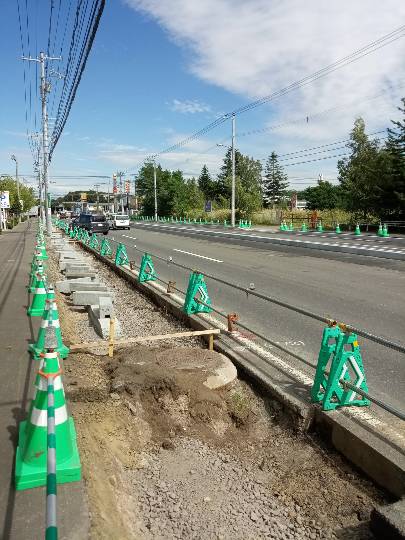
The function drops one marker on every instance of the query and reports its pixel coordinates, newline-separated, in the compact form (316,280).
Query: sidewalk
(22,514)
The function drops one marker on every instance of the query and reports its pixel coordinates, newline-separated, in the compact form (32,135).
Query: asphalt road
(365,292)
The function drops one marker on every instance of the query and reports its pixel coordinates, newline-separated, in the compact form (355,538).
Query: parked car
(94,223)
(118,221)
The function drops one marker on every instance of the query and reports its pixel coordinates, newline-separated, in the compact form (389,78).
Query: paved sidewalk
(22,514)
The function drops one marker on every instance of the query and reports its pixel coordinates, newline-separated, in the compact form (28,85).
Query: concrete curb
(375,455)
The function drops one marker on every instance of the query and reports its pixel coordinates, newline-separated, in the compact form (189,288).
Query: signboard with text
(208,206)
(5,199)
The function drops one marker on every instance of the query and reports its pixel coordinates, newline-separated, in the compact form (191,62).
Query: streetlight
(155,189)
(18,184)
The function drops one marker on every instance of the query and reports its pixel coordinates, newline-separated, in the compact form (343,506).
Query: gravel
(200,492)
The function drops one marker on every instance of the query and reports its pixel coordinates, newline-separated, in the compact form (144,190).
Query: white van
(119,221)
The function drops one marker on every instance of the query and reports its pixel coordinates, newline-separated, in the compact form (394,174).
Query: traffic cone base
(29,475)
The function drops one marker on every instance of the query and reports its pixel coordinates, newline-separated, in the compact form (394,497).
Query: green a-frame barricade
(340,353)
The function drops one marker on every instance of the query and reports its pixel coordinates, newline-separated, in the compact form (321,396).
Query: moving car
(94,223)
(119,221)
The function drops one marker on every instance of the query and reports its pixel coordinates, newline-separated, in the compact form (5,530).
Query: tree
(247,182)
(359,173)
(26,195)
(275,181)
(324,196)
(206,184)
(393,165)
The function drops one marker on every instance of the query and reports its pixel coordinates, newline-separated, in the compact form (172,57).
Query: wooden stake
(211,342)
(111,338)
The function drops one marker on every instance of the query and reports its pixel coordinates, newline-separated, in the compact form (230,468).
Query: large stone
(89,298)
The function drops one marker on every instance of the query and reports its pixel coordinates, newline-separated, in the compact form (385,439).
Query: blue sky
(159,71)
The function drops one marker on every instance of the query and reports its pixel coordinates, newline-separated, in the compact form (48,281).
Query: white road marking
(131,237)
(196,255)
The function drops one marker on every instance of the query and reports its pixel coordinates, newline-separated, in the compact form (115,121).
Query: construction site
(158,433)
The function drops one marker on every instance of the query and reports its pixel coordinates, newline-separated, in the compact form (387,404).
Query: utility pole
(97,199)
(45,89)
(18,185)
(155,190)
(233,174)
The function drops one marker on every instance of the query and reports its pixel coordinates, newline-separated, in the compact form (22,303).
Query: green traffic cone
(380,230)
(41,246)
(291,227)
(357,231)
(31,456)
(320,228)
(338,231)
(33,277)
(385,231)
(303,227)
(50,318)
(37,306)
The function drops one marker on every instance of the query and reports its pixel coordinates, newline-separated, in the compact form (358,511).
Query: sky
(159,71)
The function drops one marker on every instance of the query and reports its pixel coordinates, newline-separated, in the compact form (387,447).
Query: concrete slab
(63,264)
(71,285)
(77,273)
(388,522)
(89,298)
(106,309)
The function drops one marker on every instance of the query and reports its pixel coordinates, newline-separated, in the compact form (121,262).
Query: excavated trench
(164,456)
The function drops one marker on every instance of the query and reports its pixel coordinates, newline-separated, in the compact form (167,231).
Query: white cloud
(189,106)
(255,47)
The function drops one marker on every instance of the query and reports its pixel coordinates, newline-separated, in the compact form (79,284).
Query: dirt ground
(165,457)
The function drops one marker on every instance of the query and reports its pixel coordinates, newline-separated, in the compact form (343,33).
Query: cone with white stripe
(35,267)
(31,457)
(37,306)
(50,318)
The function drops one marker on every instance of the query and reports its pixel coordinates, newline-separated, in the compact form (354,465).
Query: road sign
(208,206)
(83,197)
(5,199)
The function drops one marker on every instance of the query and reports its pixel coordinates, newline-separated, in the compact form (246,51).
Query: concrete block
(77,267)
(106,309)
(77,273)
(388,522)
(70,262)
(64,286)
(89,298)
(84,284)
(92,286)
(102,325)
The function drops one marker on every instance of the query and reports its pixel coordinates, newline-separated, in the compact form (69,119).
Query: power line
(349,59)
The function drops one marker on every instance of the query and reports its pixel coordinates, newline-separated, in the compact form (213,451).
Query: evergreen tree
(359,174)
(206,184)
(393,182)
(275,181)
